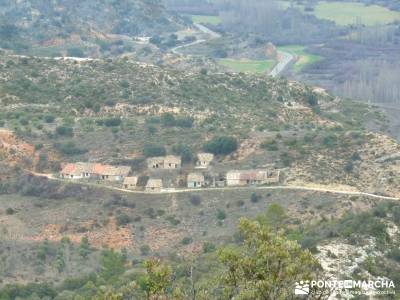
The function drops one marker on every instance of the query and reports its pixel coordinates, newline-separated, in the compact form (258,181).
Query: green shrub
(349,166)
(75,52)
(84,248)
(168,119)
(70,148)
(330,140)
(112,264)
(186,122)
(144,250)
(394,254)
(184,152)
(150,212)
(187,240)
(64,131)
(151,150)
(254,198)
(173,220)
(195,200)
(123,219)
(112,122)
(24,121)
(312,100)
(221,215)
(270,145)
(208,247)
(286,159)
(221,145)
(10,211)
(396,214)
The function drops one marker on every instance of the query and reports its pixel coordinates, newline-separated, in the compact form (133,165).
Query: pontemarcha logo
(302,288)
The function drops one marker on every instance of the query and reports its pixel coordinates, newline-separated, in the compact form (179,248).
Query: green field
(346,13)
(303,57)
(247,65)
(214,20)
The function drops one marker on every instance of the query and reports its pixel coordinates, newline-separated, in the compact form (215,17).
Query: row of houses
(196,180)
(97,171)
(173,162)
(193,180)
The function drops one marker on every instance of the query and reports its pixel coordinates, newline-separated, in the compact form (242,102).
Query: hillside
(57,235)
(109,110)
(80,26)
(113,111)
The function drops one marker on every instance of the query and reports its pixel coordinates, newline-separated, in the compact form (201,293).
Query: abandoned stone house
(82,170)
(251,177)
(169,162)
(130,183)
(76,171)
(204,160)
(154,185)
(195,180)
(172,162)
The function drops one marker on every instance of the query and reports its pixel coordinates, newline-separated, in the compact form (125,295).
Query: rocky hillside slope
(109,110)
(48,23)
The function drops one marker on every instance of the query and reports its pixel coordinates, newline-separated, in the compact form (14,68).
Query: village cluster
(166,172)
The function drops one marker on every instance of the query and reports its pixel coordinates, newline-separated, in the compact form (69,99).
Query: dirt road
(228,188)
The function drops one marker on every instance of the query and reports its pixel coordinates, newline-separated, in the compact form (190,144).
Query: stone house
(204,160)
(172,162)
(154,185)
(195,180)
(251,177)
(130,183)
(155,162)
(169,162)
(76,170)
(111,173)
(82,170)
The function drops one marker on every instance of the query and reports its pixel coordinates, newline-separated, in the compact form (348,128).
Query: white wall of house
(195,184)
(71,176)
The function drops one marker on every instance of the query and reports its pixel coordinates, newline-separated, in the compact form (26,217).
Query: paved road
(285,58)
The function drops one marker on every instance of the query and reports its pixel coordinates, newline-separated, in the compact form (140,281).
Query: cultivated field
(347,13)
(247,65)
(215,20)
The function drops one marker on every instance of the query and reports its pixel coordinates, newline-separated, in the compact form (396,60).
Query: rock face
(12,149)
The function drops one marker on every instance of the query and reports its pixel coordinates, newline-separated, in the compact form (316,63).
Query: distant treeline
(270,20)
